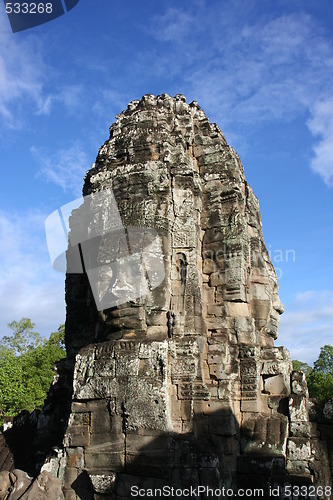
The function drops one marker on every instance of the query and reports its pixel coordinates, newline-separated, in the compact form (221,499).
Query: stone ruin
(181,385)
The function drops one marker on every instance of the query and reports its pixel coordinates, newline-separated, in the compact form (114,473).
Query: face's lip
(272,327)
(273,322)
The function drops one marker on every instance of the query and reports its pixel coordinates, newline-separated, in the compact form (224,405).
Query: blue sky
(261,69)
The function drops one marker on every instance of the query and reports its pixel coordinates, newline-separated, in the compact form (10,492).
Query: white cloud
(29,287)
(174,25)
(321,126)
(247,69)
(271,70)
(70,96)
(22,76)
(307,325)
(111,99)
(66,168)
(28,85)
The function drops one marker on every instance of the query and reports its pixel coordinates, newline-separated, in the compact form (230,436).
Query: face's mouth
(273,324)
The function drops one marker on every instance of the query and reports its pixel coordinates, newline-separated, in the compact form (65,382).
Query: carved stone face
(265,303)
(172,171)
(275,311)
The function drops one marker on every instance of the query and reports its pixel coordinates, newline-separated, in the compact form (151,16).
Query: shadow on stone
(205,455)
(83,486)
(35,436)
(216,456)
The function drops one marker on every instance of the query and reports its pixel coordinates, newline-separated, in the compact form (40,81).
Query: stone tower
(178,384)
(183,385)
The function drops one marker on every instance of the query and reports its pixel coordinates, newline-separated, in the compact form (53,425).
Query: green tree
(320,379)
(27,367)
(12,391)
(324,363)
(300,366)
(320,385)
(24,339)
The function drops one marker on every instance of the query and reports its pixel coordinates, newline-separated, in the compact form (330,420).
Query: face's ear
(23,16)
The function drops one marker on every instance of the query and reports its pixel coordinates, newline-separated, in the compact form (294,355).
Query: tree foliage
(324,363)
(23,339)
(320,385)
(300,366)
(27,367)
(320,377)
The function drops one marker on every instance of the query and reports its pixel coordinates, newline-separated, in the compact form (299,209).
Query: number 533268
(28,8)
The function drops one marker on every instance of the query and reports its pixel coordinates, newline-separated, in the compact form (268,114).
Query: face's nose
(277,305)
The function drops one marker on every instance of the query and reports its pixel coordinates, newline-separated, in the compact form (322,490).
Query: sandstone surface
(181,384)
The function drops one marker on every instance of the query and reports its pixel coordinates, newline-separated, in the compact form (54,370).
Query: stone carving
(18,485)
(183,385)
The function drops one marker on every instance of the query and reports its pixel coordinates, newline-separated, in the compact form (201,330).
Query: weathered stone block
(70,476)
(218,278)
(116,440)
(300,429)
(275,354)
(107,460)
(147,444)
(186,410)
(215,310)
(299,468)
(208,294)
(277,368)
(213,323)
(103,483)
(222,425)
(75,459)
(260,309)
(81,418)
(297,408)
(127,365)
(209,266)
(229,389)
(157,332)
(237,309)
(258,465)
(78,435)
(264,435)
(276,384)
(250,405)
(298,449)
(44,487)
(79,407)
(216,371)
(213,391)
(101,421)
(70,494)
(298,384)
